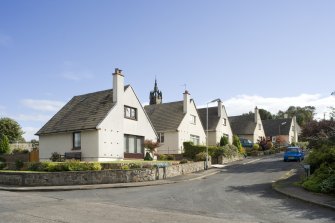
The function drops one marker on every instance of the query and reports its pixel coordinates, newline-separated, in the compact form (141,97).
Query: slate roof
(243,124)
(271,127)
(213,118)
(82,112)
(167,116)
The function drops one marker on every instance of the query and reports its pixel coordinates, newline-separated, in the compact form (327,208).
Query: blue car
(294,153)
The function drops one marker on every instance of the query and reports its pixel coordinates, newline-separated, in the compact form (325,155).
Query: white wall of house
(142,126)
(223,127)
(213,137)
(186,128)
(115,125)
(63,142)
(171,143)
(259,130)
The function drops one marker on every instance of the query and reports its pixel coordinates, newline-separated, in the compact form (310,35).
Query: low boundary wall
(18,178)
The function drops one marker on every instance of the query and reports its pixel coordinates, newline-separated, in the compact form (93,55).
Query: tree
(304,114)
(265,115)
(11,129)
(4,145)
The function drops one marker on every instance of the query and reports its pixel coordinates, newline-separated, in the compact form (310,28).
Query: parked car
(294,153)
(246,143)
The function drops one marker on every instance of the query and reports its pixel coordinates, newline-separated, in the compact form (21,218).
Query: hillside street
(241,192)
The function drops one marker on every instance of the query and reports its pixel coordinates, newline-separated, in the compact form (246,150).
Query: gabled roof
(82,112)
(213,118)
(271,127)
(167,116)
(243,124)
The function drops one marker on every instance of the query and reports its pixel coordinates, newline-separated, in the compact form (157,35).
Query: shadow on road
(296,207)
(264,166)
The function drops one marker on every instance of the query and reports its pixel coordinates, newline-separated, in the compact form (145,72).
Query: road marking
(251,161)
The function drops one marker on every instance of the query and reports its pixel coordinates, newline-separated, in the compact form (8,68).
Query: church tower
(156,95)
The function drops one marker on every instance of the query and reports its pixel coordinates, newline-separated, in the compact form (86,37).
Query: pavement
(286,185)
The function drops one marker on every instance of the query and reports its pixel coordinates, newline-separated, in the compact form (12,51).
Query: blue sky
(267,53)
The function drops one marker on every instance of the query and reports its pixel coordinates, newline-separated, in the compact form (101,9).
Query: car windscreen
(295,150)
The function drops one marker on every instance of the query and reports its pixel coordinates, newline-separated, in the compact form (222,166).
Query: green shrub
(71,165)
(183,161)
(20,151)
(170,157)
(201,156)
(148,157)
(134,166)
(162,157)
(55,157)
(328,185)
(236,141)
(317,157)
(4,145)
(2,163)
(230,151)
(255,147)
(321,179)
(125,167)
(223,141)
(269,145)
(19,164)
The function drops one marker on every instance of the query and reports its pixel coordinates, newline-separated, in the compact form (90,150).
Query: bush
(2,163)
(328,185)
(236,141)
(125,167)
(71,165)
(20,151)
(190,151)
(269,145)
(134,166)
(223,141)
(19,164)
(321,180)
(170,157)
(255,147)
(183,161)
(4,145)
(148,157)
(323,155)
(162,157)
(201,156)
(55,157)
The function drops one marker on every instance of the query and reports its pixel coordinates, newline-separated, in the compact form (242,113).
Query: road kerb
(276,186)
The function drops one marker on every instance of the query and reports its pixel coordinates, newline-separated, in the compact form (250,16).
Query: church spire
(156,95)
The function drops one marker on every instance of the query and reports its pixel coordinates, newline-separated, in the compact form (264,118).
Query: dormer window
(224,121)
(130,112)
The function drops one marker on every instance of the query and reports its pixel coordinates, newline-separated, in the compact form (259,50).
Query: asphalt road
(240,193)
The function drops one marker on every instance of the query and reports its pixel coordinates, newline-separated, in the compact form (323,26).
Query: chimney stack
(256,114)
(186,101)
(118,86)
(219,108)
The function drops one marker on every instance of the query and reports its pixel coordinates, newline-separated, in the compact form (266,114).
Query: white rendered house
(218,123)
(176,123)
(101,126)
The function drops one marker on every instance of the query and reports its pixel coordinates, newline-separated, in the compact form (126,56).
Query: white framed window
(133,144)
(193,119)
(224,121)
(260,126)
(195,139)
(161,137)
(130,112)
(77,140)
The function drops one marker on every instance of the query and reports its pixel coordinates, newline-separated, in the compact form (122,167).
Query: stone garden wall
(18,178)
